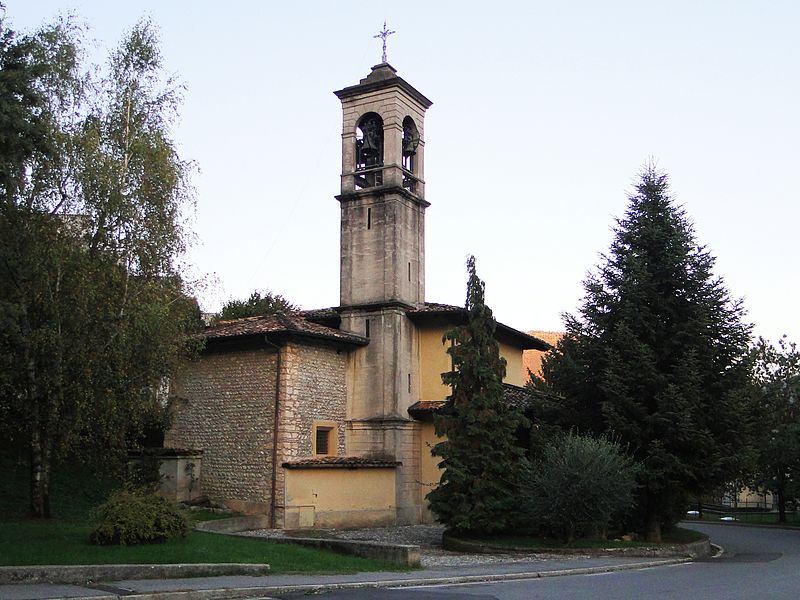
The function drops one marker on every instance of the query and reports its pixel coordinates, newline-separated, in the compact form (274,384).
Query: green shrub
(129,518)
(577,487)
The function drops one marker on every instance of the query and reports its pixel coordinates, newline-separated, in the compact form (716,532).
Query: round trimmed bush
(129,518)
(579,484)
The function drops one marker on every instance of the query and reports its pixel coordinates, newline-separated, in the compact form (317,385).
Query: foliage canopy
(577,486)
(257,305)
(93,310)
(657,358)
(777,389)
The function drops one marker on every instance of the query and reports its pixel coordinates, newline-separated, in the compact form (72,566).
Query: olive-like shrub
(130,518)
(577,487)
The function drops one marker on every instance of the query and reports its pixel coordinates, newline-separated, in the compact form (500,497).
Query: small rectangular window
(409,271)
(322,440)
(366,328)
(409,383)
(369,218)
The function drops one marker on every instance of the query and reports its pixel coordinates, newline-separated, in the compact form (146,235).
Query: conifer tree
(656,357)
(481,461)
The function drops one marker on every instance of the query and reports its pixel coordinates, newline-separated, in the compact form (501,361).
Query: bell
(368,148)
(372,140)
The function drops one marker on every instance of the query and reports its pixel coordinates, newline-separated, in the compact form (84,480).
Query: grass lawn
(64,539)
(29,542)
(677,536)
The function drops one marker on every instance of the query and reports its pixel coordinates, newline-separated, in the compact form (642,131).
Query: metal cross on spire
(383,35)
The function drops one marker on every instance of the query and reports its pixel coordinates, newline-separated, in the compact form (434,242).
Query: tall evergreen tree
(481,460)
(657,357)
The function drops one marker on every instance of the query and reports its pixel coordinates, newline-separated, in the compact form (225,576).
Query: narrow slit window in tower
(369,218)
(366,328)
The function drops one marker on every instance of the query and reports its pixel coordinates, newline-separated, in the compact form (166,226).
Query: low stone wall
(397,554)
(80,574)
(698,549)
(234,524)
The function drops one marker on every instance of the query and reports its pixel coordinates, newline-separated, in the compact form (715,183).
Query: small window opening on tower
(369,151)
(369,218)
(409,383)
(409,271)
(366,328)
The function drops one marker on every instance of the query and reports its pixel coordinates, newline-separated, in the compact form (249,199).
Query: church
(323,418)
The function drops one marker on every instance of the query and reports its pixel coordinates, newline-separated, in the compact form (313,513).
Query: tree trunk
(781,493)
(40,475)
(653,527)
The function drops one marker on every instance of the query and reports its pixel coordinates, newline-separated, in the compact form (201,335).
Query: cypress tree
(481,461)
(656,357)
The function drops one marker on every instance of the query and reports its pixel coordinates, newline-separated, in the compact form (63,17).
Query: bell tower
(382,191)
(382,269)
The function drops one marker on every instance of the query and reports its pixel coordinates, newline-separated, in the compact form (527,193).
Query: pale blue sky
(543,114)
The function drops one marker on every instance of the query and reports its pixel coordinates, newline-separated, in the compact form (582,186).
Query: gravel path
(427,537)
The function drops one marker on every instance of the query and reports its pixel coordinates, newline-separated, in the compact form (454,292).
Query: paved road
(758,563)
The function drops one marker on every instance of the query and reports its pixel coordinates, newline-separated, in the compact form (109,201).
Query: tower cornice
(380,192)
(383,76)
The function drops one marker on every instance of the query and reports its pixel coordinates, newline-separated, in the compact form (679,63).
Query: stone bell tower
(382,269)
(383,191)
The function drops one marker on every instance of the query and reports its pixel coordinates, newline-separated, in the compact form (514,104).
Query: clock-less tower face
(382,191)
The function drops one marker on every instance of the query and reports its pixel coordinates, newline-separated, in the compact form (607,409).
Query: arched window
(369,151)
(410,144)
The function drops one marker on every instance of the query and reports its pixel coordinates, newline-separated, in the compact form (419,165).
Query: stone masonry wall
(226,408)
(313,388)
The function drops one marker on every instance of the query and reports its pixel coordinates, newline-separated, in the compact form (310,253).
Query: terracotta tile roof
(513,395)
(342,462)
(437,311)
(458,314)
(291,324)
(438,307)
(425,407)
(320,313)
(520,397)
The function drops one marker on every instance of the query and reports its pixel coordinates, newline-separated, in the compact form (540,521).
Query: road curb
(267,591)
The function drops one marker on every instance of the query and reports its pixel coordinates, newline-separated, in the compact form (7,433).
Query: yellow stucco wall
(514,368)
(429,472)
(340,497)
(434,361)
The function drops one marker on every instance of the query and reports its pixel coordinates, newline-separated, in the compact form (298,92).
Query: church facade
(324,418)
